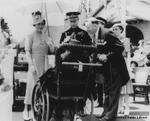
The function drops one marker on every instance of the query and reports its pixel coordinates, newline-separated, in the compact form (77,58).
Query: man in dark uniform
(115,73)
(74,35)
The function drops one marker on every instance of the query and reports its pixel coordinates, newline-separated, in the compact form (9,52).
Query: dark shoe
(28,120)
(101,116)
(107,119)
(99,105)
(52,119)
(26,115)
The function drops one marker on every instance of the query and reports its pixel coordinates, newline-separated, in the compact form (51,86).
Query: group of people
(112,53)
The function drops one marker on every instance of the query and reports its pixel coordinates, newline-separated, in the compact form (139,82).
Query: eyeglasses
(102,23)
(73,21)
(94,22)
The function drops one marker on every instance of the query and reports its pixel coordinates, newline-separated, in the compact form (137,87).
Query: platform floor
(139,111)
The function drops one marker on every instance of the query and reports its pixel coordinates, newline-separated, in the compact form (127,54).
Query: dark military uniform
(83,38)
(80,34)
(115,74)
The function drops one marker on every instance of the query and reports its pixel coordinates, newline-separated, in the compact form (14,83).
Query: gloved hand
(102,57)
(33,70)
(66,39)
(65,54)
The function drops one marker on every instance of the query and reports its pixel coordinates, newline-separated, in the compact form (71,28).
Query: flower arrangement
(140,55)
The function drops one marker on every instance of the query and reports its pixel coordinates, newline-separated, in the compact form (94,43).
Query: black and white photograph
(74,60)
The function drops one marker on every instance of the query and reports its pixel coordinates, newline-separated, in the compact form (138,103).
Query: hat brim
(39,21)
(72,13)
(101,19)
(118,24)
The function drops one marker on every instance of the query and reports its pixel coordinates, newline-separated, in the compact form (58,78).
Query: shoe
(101,116)
(25,115)
(52,119)
(126,113)
(107,119)
(121,112)
(66,119)
(77,118)
(100,105)
(30,119)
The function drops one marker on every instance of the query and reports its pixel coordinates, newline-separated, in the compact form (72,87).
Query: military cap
(101,19)
(72,14)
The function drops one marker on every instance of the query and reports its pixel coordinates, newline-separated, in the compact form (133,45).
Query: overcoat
(114,70)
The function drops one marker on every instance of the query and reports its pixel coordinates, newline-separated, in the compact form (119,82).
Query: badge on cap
(72,14)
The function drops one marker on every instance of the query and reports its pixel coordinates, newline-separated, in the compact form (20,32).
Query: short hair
(121,28)
(134,62)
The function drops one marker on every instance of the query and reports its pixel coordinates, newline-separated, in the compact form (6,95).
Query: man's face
(117,31)
(101,23)
(74,22)
(92,27)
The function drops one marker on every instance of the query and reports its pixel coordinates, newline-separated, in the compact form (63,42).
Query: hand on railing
(102,57)
(65,54)
(67,39)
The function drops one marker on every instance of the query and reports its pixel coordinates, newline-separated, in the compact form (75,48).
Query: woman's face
(40,26)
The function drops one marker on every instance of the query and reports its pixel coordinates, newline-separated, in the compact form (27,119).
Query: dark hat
(91,20)
(72,14)
(101,19)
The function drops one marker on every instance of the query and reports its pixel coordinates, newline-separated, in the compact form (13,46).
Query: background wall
(145,28)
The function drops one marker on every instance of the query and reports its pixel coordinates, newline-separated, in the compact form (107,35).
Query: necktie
(94,40)
(99,34)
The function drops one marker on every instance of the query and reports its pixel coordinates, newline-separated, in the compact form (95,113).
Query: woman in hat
(37,46)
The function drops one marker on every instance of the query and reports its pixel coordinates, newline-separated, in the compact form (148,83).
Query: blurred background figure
(6,53)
